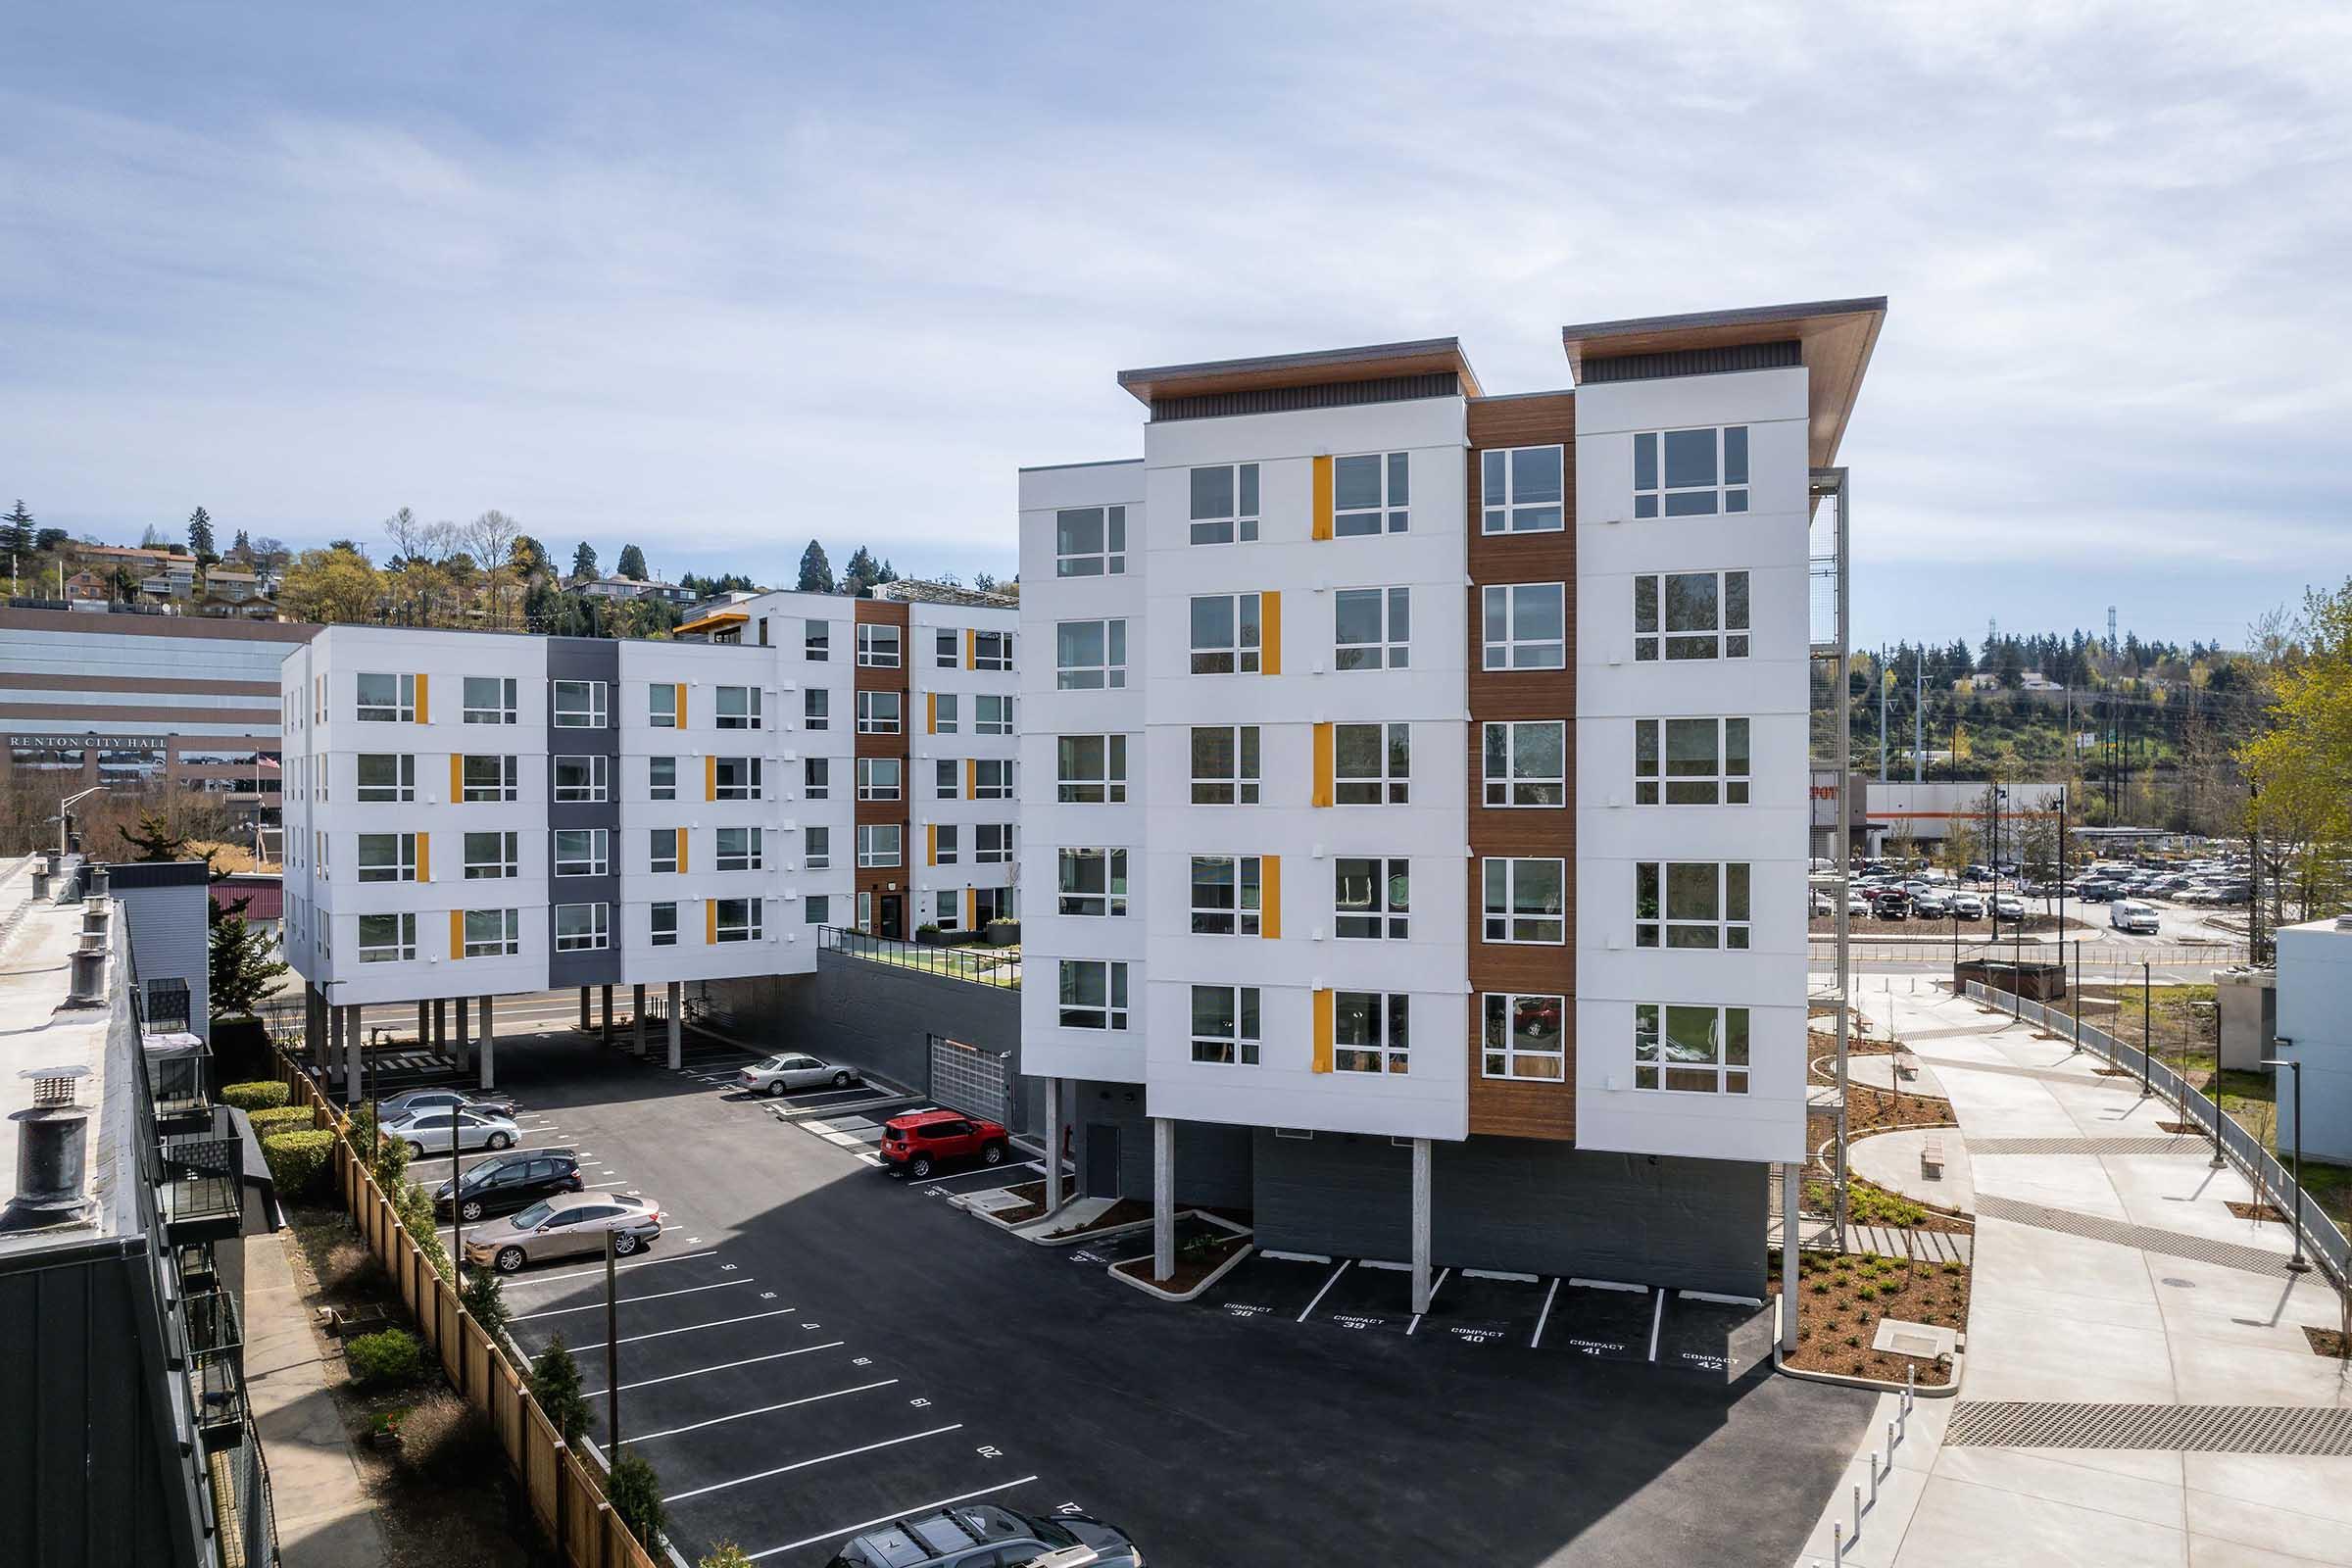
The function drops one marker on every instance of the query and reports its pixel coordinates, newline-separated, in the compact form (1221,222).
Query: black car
(517,1179)
(1892,903)
(984,1535)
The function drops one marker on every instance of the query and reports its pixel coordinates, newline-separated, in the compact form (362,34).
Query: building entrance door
(893,921)
(1101,1159)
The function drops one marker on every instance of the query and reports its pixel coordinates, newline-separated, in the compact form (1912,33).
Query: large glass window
(1226,634)
(993,649)
(881,713)
(1093,993)
(493,933)
(1526,901)
(879,845)
(1526,762)
(738,707)
(737,919)
(386,776)
(816,641)
(992,716)
(1690,473)
(1371,898)
(387,699)
(1522,490)
(1694,1050)
(1089,542)
(943,836)
(880,646)
(945,713)
(581,778)
(1225,1025)
(992,844)
(1690,762)
(1369,1031)
(816,849)
(662,705)
(1691,903)
(579,705)
(1090,654)
(739,850)
(1526,626)
(493,856)
(1225,765)
(584,851)
(1371,628)
(1228,895)
(1093,881)
(1370,492)
(1372,764)
(387,938)
(662,925)
(946,779)
(582,927)
(816,708)
(992,779)
(945,653)
(1089,769)
(879,778)
(735,778)
(489,699)
(1224,504)
(666,845)
(1695,614)
(387,857)
(816,778)
(1521,1037)
(488,779)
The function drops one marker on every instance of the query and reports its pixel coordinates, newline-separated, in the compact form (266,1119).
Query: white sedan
(427,1132)
(788,1073)
(2008,906)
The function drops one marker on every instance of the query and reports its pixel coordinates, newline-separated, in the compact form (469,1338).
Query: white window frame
(663,847)
(816,641)
(1504,924)
(816,708)
(505,860)
(881,778)
(404,777)
(986,769)
(501,712)
(817,909)
(1107,555)
(1725,496)
(982,705)
(1502,1056)
(872,719)
(399,707)
(504,944)
(1501,507)
(1106,786)
(816,778)
(947,649)
(662,923)
(1653,634)
(755,779)
(1108,675)
(1237,1046)
(997,852)
(1079,1011)
(946,909)
(1392,784)
(1234,522)
(943,844)
(593,934)
(1655,784)
(736,919)
(1387,917)
(654,788)
(871,854)
(599,785)
(595,860)
(992,650)
(661,705)
(1076,868)
(1389,509)
(1391,648)
(401,948)
(1245,784)
(816,848)
(880,645)
(746,716)
(1242,650)
(1502,605)
(1659,922)
(401,868)
(1244,916)
(1389,1045)
(946,779)
(1513,789)
(945,713)
(1729,1049)
(587,706)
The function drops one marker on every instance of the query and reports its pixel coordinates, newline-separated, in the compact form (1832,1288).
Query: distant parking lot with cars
(815,1347)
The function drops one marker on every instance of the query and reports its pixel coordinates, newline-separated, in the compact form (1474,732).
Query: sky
(714,279)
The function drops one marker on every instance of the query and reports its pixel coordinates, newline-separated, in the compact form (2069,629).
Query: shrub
(556,1385)
(484,1301)
(385,1361)
(726,1554)
(265,1094)
(296,1160)
(278,1119)
(635,1494)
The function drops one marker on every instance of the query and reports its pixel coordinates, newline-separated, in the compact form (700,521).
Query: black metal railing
(167,1010)
(202,1173)
(979,964)
(244,1513)
(216,1366)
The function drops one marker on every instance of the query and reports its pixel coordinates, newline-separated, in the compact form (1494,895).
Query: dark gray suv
(989,1537)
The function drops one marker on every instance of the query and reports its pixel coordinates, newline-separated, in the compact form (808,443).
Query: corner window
(1690,473)
(1369,494)
(489,699)
(738,707)
(1093,993)
(817,909)
(816,849)
(1522,490)
(581,778)
(1369,1031)
(1089,542)
(1090,654)
(1691,903)
(387,938)
(1225,1025)
(387,857)
(1371,628)
(493,933)
(388,699)
(991,781)
(879,646)
(1228,895)
(662,920)
(879,778)
(881,713)
(1692,1050)
(1526,626)
(1372,764)
(1225,765)
(579,705)
(1093,881)
(1527,763)
(816,778)
(493,856)
(661,705)
(1371,899)
(1526,901)
(488,779)
(945,653)
(582,927)
(1690,762)
(583,851)
(1521,1037)
(816,708)
(386,776)
(1226,634)
(1691,615)
(662,778)
(1089,769)
(878,844)
(736,919)
(1224,504)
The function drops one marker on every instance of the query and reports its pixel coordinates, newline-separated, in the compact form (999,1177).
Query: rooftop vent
(52,1139)
(89,976)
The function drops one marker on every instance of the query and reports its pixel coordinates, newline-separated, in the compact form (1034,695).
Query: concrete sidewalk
(324,1519)
(2109,1275)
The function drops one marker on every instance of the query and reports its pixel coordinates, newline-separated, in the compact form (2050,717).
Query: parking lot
(815,1345)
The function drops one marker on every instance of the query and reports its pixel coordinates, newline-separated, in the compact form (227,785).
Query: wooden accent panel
(1319,787)
(457,777)
(1269,621)
(972,778)
(457,934)
(1320,527)
(681,705)
(1269,897)
(710,778)
(931,844)
(679,841)
(424,704)
(711,922)
(424,856)
(1321,1061)
(1514,1108)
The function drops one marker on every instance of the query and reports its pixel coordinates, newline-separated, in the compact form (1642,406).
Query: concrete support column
(585,1026)
(489,1047)
(465,1034)
(440,1028)
(1792,1194)
(354,1064)
(424,1026)
(1420,1225)
(1052,1145)
(330,1042)
(637,1011)
(677,1025)
(607,1029)
(1163,1198)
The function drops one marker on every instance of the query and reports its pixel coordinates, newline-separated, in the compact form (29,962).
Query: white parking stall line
(1415,1324)
(803,1464)
(987,1170)
(788,1404)
(903,1513)
(617,1181)
(697,1327)
(1327,1285)
(1657,1320)
(630,1300)
(513,1280)
(723,1366)
(1543,1316)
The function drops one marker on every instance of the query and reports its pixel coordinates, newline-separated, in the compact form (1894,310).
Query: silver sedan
(427,1132)
(565,1226)
(791,1072)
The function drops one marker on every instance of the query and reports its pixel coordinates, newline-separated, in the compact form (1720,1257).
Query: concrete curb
(1946,1391)
(1214,1275)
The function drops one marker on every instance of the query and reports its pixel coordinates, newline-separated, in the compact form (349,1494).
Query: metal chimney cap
(54,1086)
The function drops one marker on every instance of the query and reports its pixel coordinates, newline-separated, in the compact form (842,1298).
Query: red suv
(923,1138)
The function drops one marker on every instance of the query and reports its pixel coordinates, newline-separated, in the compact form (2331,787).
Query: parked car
(410,1101)
(783,1074)
(965,1536)
(1857,905)
(1968,905)
(2129,914)
(565,1226)
(505,1182)
(922,1140)
(2008,906)
(1892,903)
(2101,891)
(1822,906)
(1932,904)
(427,1132)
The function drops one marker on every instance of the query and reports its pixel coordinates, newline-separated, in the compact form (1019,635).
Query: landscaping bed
(1126,1211)
(1198,1254)
(2329,1342)
(1033,1200)
(1842,1296)
(1870,1205)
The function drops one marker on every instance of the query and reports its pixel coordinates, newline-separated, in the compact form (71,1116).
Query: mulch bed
(1873,1205)
(1193,1263)
(1126,1211)
(2329,1342)
(2114,1072)
(2257,1212)
(1844,1296)
(1033,1196)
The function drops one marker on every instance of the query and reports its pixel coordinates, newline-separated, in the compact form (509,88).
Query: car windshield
(533,1216)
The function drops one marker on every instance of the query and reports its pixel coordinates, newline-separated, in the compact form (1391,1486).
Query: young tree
(200,537)
(491,539)
(16,535)
(243,965)
(556,1385)
(632,563)
(155,839)
(583,563)
(635,1494)
(334,584)
(816,572)
(154,539)
(726,1554)
(485,1301)
(270,554)
(241,549)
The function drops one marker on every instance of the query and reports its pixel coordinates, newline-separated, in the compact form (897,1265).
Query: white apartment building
(1418,785)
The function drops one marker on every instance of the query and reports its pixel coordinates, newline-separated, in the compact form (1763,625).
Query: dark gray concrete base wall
(1519,1203)
(1213,1162)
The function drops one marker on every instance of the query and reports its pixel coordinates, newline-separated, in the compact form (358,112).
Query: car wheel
(625,1242)
(841,1080)
(509,1258)
(775,1090)
(416,1149)
(472,1208)
(499,1140)
(921,1167)
(993,1154)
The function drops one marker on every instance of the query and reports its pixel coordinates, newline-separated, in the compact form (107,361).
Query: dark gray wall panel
(1212,1162)
(1348,1195)
(586,658)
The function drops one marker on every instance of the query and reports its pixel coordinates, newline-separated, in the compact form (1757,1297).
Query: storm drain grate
(2147,1237)
(2050,1075)
(2169,1428)
(2089,1145)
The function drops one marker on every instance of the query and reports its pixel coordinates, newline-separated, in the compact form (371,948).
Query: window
(582,851)
(992,844)
(1225,765)
(1526,626)
(878,844)
(738,707)
(1094,881)
(662,705)
(944,651)
(1521,1036)
(739,850)
(991,781)
(946,779)
(493,856)
(736,919)
(879,778)
(1371,765)
(1090,654)
(493,933)
(386,776)
(992,716)
(579,705)
(817,909)
(1093,993)
(816,778)
(1225,504)
(1371,899)
(944,714)
(1703,614)
(943,844)
(879,712)
(944,909)
(388,699)
(1090,541)
(816,708)
(387,938)
(1371,627)
(1691,903)
(1702,761)
(1368,1031)
(1368,493)
(735,778)
(662,778)
(1704,472)
(664,846)
(764,631)
(662,923)
(1225,1025)
(489,699)
(1089,769)
(580,778)
(1228,895)
(1526,901)
(816,641)
(878,646)
(1522,490)
(1226,634)
(816,849)
(1527,763)
(1698,1050)
(992,650)
(582,927)
(387,857)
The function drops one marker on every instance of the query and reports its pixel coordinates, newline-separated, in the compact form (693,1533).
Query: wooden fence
(565,1495)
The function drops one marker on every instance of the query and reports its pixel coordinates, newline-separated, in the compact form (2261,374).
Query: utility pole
(1882,684)
(1918,714)
(611,1349)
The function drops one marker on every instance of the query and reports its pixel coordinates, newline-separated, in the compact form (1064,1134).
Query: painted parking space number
(862,1360)
(920,1403)
(986,1452)
(726,1268)
(768,1296)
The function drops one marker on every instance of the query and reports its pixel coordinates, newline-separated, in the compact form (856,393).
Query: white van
(2128,914)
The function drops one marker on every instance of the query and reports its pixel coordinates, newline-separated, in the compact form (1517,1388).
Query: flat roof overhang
(1369,363)
(1835,337)
(712,622)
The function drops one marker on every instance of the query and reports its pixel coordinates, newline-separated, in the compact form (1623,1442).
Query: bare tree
(491,538)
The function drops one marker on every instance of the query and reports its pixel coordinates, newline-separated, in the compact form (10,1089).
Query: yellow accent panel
(1269,896)
(1321,1061)
(1319,791)
(425,708)
(681,705)
(424,856)
(971,908)
(971,648)
(457,777)
(931,843)
(710,778)
(1269,621)
(681,847)
(972,778)
(457,933)
(931,713)
(711,922)
(1321,528)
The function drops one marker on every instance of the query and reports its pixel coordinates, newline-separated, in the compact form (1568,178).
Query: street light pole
(2147,1017)
(2299,1264)
(611,1349)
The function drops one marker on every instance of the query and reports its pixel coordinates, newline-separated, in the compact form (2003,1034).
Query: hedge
(267,1094)
(384,1359)
(279,1119)
(297,1160)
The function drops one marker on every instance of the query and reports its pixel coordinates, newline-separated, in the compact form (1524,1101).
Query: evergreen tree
(632,563)
(155,839)
(556,1385)
(528,557)
(200,537)
(242,549)
(635,1494)
(886,573)
(583,563)
(16,534)
(816,572)
(241,965)
(861,573)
